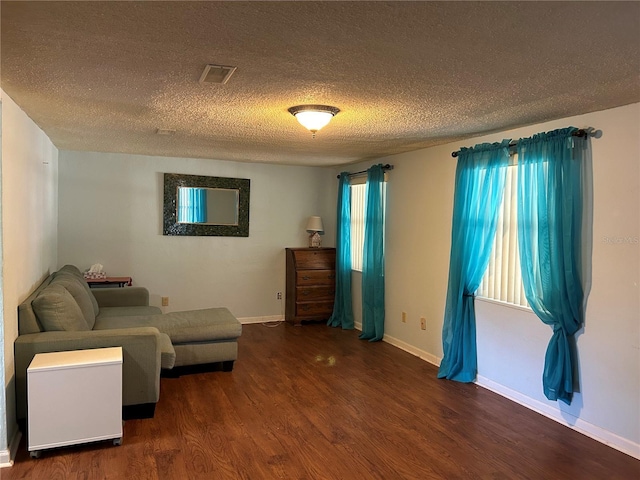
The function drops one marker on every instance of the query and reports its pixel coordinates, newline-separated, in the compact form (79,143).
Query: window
(357,225)
(358,188)
(503,279)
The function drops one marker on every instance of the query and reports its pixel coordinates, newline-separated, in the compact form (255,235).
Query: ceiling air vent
(165,131)
(216,74)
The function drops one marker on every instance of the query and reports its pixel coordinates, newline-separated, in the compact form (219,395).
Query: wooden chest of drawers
(311,284)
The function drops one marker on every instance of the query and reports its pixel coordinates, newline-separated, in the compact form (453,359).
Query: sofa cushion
(106,312)
(200,325)
(182,327)
(80,295)
(167,352)
(206,352)
(57,310)
(73,270)
(27,320)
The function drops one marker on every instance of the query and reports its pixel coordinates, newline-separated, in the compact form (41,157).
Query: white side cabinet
(74,397)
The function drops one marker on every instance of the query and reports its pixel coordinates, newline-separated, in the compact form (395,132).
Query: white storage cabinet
(74,397)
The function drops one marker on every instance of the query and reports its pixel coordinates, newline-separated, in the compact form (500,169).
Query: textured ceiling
(104,76)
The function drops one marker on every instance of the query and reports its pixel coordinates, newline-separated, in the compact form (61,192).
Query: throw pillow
(73,270)
(57,310)
(75,287)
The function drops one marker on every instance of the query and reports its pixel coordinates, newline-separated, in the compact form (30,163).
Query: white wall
(512,342)
(29,231)
(110,212)
(608,404)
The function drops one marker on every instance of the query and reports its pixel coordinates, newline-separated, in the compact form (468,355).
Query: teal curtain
(479,186)
(342,307)
(192,205)
(550,199)
(373,257)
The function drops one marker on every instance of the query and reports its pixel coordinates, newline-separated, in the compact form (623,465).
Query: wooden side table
(109,281)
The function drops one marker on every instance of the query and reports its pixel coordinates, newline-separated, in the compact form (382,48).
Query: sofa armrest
(140,352)
(122,297)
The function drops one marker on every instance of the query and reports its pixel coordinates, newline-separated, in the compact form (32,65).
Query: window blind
(357,225)
(503,280)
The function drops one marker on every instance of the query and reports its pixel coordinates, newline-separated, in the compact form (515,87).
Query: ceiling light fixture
(313,117)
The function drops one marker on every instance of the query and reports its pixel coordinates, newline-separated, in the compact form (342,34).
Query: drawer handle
(305,308)
(331,276)
(305,292)
(306,278)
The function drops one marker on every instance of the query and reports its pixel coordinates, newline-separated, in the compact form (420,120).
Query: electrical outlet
(423,323)
(279,295)
(165,301)
(404,317)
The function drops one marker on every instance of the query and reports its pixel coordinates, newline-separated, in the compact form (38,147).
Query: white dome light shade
(314,121)
(313,117)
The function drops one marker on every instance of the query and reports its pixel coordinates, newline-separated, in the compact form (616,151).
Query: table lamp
(315,229)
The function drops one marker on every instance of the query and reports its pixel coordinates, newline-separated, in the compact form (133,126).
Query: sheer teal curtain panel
(550,203)
(373,257)
(342,307)
(480,178)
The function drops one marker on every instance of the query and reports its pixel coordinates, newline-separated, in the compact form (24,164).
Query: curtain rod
(388,166)
(583,132)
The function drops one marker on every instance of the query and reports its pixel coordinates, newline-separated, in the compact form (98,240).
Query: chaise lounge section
(63,313)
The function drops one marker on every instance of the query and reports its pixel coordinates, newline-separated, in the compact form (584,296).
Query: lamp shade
(314,121)
(315,224)
(313,117)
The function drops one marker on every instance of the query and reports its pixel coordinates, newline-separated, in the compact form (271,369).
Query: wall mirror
(197,205)
(207,206)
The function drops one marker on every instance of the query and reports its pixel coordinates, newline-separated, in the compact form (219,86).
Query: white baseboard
(426,356)
(5,459)
(592,431)
(421,354)
(265,319)
(7,456)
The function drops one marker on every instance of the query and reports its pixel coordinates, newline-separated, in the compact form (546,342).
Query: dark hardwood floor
(317,403)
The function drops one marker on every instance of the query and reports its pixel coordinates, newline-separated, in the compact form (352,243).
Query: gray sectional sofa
(63,313)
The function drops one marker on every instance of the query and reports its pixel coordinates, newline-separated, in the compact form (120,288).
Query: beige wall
(512,342)
(29,226)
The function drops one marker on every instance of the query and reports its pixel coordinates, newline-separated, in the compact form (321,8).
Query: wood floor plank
(318,403)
